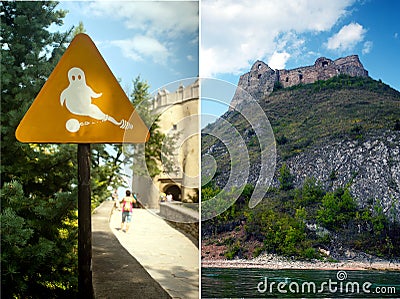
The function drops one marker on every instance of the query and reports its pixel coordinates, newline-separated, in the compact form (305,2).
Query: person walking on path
(116,201)
(127,205)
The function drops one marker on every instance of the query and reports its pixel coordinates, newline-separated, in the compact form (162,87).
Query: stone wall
(184,219)
(261,79)
(258,82)
(323,69)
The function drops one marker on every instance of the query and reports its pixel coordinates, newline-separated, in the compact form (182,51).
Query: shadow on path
(116,274)
(167,255)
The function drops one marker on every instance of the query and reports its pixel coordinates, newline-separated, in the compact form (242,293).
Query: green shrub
(233,250)
(257,251)
(310,253)
(337,209)
(311,192)
(285,178)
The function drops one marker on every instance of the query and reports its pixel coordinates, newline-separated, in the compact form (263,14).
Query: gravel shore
(271,261)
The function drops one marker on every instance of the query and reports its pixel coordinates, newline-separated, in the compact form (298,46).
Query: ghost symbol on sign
(78,100)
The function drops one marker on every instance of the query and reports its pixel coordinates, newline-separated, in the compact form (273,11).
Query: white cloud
(157,27)
(367,47)
(140,47)
(278,60)
(153,17)
(347,37)
(236,33)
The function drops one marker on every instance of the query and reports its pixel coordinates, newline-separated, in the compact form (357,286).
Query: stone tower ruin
(261,79)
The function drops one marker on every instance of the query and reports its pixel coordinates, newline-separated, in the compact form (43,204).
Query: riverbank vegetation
(305,223)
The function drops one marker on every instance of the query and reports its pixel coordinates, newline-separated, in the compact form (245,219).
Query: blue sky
(156,40)
(288,34)
(160,40)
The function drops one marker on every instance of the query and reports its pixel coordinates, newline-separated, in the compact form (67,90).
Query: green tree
(38,198)
(106,170)
(285,178)
(312,191)
(79,29)
(29,52)
(159,149)
(337,209)
(209,190)
(379,221)
(38,243)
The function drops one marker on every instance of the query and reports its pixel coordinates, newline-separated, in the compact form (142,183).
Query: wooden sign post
(85,284)
(82,103)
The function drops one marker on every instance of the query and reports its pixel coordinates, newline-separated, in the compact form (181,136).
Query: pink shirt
(127,200)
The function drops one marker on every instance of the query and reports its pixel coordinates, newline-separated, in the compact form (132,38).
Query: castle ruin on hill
(261,79)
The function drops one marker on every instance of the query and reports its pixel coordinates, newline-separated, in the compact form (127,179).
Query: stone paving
(116,274)
(166,254)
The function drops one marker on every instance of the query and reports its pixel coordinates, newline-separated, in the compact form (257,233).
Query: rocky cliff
(370,166)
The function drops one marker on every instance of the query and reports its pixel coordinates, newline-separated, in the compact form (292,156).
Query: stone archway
(175,191)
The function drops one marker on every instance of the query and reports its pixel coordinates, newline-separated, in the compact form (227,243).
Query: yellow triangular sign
(82,102)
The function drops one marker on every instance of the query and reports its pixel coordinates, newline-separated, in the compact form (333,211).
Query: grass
(343,107)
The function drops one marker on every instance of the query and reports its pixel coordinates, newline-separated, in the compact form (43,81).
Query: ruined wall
(260,80)
(323,69)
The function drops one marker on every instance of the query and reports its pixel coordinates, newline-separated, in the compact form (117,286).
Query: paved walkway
(169,258)
(116,274)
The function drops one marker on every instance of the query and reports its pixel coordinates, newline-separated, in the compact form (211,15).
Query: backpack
(127,206)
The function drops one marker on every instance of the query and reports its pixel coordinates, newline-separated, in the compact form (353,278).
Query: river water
(265,283)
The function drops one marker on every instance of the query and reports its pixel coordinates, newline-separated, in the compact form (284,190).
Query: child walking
(127,206)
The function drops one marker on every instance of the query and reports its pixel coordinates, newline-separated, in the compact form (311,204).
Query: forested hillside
(337,180)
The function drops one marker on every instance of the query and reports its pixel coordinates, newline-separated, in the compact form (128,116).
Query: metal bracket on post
(85,286)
